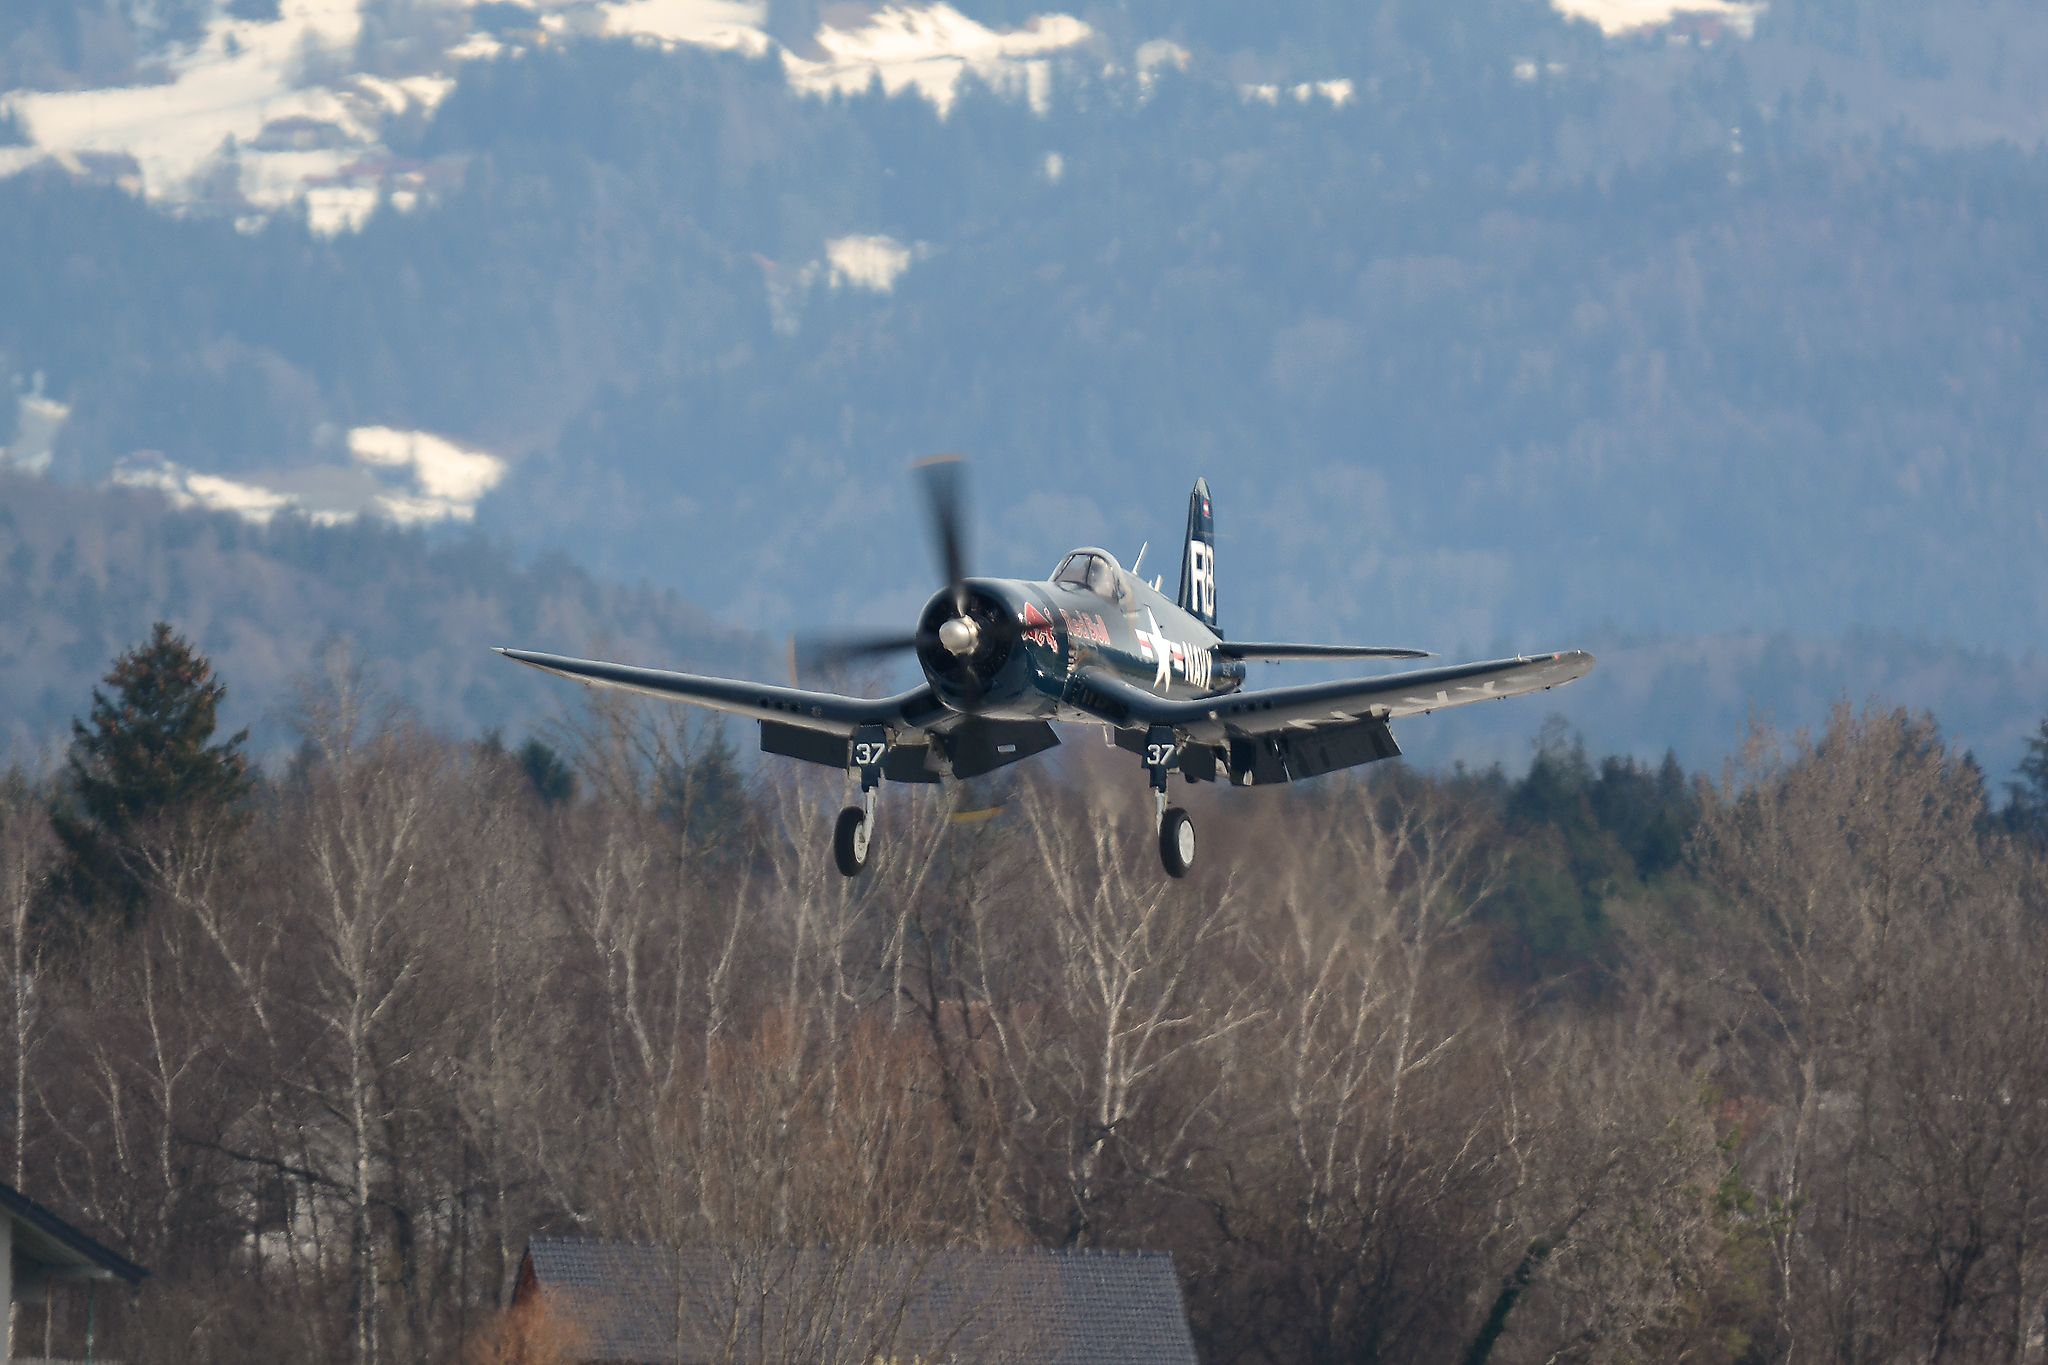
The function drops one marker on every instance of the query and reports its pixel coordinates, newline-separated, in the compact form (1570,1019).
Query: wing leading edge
(1278,653)
(1308,706)
(827,712)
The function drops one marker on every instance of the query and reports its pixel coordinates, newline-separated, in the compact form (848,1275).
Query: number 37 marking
(868,753)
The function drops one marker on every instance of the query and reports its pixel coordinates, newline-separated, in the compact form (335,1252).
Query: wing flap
(828,712)
(1312,753)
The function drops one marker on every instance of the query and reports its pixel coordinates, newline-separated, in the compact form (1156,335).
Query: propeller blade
(942,479)
(833,651)
(944,502)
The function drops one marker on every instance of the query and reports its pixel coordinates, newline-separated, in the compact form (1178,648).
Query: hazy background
(1709,340)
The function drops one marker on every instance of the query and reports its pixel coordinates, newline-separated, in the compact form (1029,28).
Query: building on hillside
(303,133)
(40,1252)
(615,1302)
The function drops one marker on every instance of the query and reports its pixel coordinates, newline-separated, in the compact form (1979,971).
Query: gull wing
(1308,706)
(827,712)
(1245,649)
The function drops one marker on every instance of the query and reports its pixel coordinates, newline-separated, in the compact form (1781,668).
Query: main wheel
(850,841)
(1176,842)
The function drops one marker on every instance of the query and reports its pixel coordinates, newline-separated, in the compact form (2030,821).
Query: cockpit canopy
(1095,570)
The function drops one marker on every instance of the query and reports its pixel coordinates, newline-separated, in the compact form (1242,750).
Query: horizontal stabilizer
(1244,649)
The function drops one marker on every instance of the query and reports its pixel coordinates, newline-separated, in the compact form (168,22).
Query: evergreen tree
(145,756)
(552,779)
(2026,808)
(701,791)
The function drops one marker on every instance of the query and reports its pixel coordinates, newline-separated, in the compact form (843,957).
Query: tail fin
(1198,559)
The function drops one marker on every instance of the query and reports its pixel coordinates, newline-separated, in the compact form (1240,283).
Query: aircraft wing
(1308,706)
(827,712)
(1244,649)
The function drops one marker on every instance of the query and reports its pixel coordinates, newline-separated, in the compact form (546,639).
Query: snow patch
(1161,52)
(449,475)
(866,261)
(37,420)
(477,47)
(254,118)
(335,209)
(928,51)
(1614,17)
(1158,55)
(871,263)
(444,481)
(189,488)
(733,25)
(406,92)
(411,509)
(1337,93)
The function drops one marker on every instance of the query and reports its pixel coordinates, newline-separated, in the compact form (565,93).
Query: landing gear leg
(1176,830)
(855,832)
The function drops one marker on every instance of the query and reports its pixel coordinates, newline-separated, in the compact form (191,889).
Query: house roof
(41,1236)
(702,1305)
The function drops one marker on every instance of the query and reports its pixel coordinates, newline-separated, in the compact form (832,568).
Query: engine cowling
(968,655)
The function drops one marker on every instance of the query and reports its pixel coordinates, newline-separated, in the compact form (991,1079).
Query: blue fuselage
(1136,634)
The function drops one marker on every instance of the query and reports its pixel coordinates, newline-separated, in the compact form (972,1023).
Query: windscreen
(1095,570)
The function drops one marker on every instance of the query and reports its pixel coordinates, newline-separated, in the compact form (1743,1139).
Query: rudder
(1198,559)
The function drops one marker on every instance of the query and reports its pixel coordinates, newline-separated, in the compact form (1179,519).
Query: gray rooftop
(47,1246)
(711,1306)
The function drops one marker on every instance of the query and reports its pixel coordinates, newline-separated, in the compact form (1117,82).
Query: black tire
(850,841)
(1176,842)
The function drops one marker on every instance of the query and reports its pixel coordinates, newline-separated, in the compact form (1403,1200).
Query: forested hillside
(1488,329)
(83,574)
(1606,1062)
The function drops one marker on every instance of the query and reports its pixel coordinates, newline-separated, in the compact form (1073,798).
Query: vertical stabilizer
(1198,559)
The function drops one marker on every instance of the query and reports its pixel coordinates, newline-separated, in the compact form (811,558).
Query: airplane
(1094,644)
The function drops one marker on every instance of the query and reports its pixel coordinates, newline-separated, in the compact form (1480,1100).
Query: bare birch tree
(28,858)
(1833,853)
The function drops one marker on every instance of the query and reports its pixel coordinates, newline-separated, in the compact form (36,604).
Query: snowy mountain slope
(292,110)
(244,122)
(1501,330)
